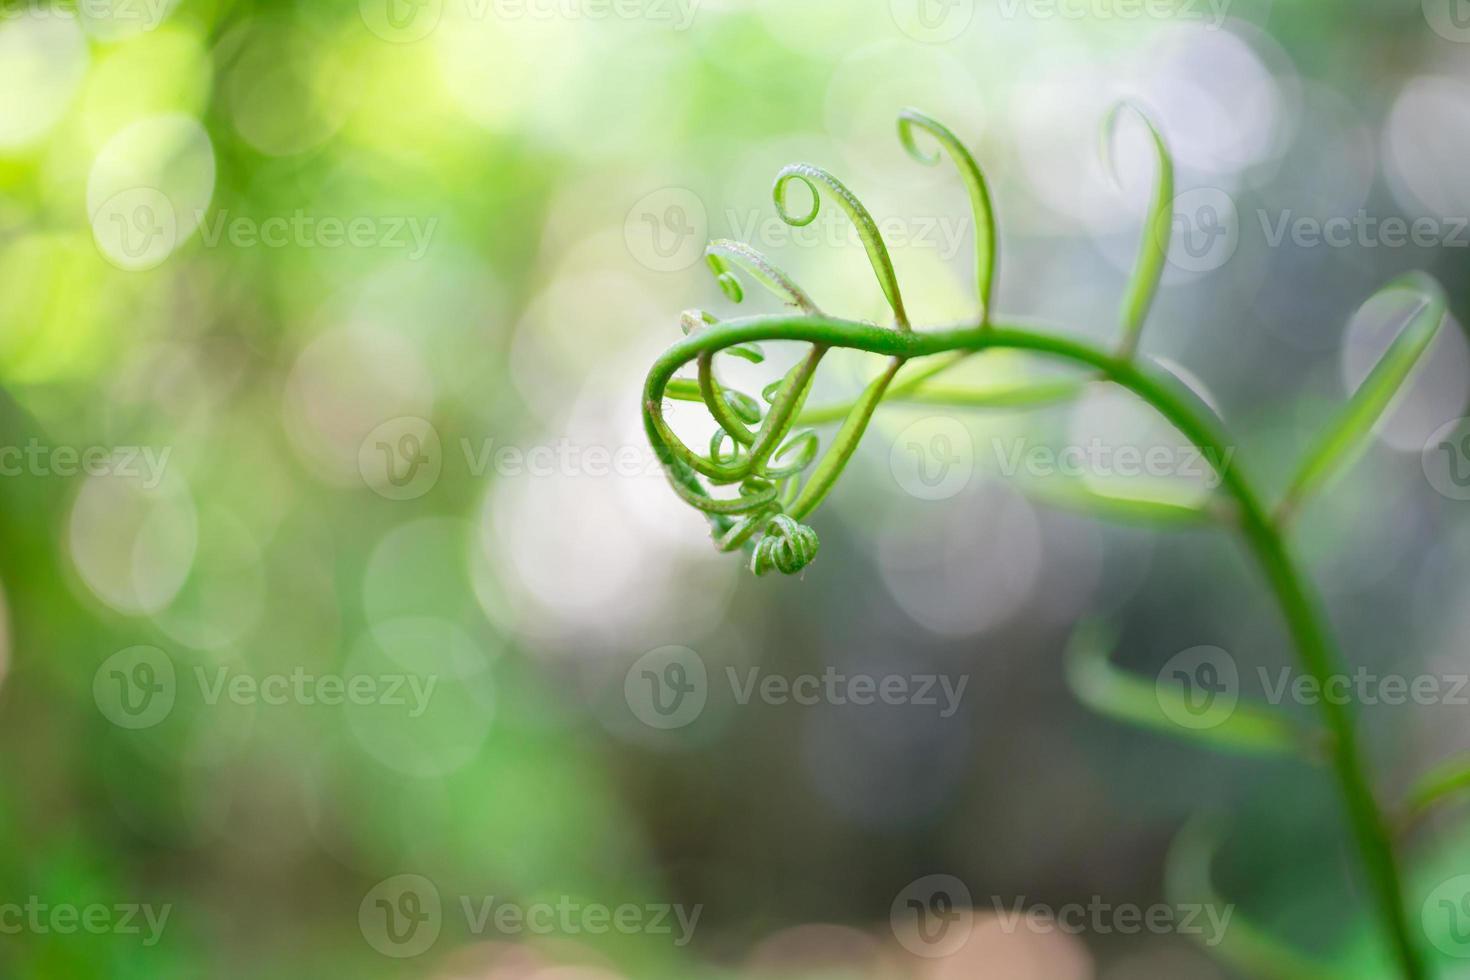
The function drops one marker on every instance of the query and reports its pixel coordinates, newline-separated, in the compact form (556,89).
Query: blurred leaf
(1158,227)
(1348,436)
(1187,881)
(1126,697)
(1434,787)
(1076,496)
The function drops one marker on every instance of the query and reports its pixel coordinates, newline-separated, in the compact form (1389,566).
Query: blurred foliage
(369,280)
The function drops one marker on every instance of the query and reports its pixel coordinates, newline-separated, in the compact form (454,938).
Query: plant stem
(1300,608)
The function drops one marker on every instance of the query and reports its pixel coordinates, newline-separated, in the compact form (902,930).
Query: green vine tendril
(780,476)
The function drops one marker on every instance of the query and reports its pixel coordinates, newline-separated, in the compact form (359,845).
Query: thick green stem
(1300,608)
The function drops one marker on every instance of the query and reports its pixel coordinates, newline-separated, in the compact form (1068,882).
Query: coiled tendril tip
(787,547)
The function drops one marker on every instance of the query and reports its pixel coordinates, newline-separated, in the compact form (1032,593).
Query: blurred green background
(331,545)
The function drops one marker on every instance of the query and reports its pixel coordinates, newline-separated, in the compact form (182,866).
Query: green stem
(1301,609)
